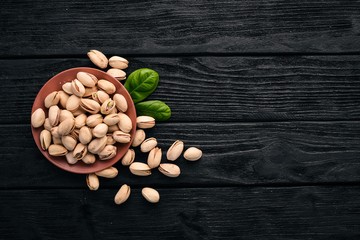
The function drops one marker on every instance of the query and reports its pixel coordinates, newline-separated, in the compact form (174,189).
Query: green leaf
(141,83)
(154,108)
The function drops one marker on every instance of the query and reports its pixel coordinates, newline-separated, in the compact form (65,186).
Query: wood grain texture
(163,27)
(196,213)
(233,154)
(218,89)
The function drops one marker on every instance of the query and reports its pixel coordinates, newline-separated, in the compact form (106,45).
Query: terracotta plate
(55,84)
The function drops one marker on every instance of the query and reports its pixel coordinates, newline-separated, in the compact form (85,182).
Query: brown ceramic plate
(54,84)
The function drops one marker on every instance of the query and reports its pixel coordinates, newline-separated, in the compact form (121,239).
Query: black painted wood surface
(269,90)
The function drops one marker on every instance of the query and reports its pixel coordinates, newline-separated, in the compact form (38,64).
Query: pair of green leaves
(141,84)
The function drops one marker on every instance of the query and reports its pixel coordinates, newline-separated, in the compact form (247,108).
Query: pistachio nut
(175,150)
(100,96)
(93,120)
(67,88)
(66,126)
(87,79)
(120,102)
(121,137)
(45,139)
(47,124)
(107,106)
(85,135)
(169,169)
(118,62)
(113,128)
(55,132)
(69,142)
(111,119)
(89,158)
(89,91)
(78,112)
(54,115)
(56,140)
(77,88)
(98,58)
(57,150)
(139,137)
(117,73)
(150,194)
(90,105)
(154,157)
(106,86)
(63,98)
(114,110)
(92,181)
(145,122)
(128,158)
(140,169)
(122,195)
(110,172)
(79,151)
(108,152)
(192,154)
(80,120)
(100,130)
(51,99)
(125,123)
(65,114)
(70,159)
(73,103)
(110,139)
(75,133)
(148,144)
(38,118)
(97,145)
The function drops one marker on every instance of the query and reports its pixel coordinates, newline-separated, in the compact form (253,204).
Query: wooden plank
(186,213)
(233,154)
(163,27)
(215,88)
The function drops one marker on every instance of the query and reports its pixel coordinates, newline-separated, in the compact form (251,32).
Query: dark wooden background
(269,90)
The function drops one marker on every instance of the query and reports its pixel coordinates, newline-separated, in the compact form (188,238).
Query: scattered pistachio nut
(140,169)
(117,73)
(108,152)
(98,58)
(175,150)
(150,194)
(110,172)
(169,169)
(148,144)
(120,102)
(139,137)
(145,122)
(128,158)
(118,62)
(125,123)
(92,181)
(154,157)
(192,154)
(121,137)
(123,194)
(106,86)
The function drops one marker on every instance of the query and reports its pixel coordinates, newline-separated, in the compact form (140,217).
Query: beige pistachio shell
(93,120)
(122,195)
(45,139)
(113,128)
(66,87)
(100,130)
(79,151)
(108,152)
(169,169)
(151,195)
(110,172)
(107,106)
(52,99)
(38,118)
(47,124)
(90,105)
(87,79)
(54,115)
(148,144)
(139,137)
(100,96)
(63,98)
(154,157)
(89,91)
(85,135)
(80,120)
(73,103)
(106,86)
(192,154)
(121,137)
(112,119)
(175,150)
(65,114)
(69,142)
(70,159)
(55,132)
(118,62)
(66,126)
(77,88)
(97,145)
(117,73)
(78,112)
(125,123)
(98,58)
(110,139)
(145,122)
(89,158)
(120,102)
(140,169)
(92,181)
(57,150)
(128,158)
